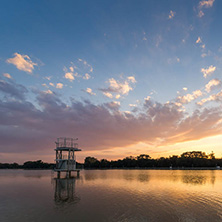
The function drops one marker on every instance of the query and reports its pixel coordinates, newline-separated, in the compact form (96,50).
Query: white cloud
(107,94)
(117,96)
(189,97)
(51,84)
(208,71)
(120,87)
(215,97)
(83,69)
(69,76)
(198,40)
(45,85)
(185,88)
(48,91)
(7,75)
(59,85)
(117,102)
(90,92)
(22,62)
(133,105)
(171,15)
(197,94)
(212,84)
(203,55)
(147,98)
(132,79)
(206,3)
(86,76)
(178,104)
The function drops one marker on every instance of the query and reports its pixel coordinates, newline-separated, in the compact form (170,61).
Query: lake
(111,195)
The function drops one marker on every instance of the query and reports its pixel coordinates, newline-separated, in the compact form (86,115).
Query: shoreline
(152,168)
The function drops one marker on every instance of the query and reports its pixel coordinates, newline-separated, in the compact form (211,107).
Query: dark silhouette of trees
(37,165)
(186,159)
(9,166)
(91,162)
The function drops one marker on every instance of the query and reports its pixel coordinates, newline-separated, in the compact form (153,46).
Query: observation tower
(65,155)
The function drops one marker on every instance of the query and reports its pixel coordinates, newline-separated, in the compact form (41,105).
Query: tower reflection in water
(65,190)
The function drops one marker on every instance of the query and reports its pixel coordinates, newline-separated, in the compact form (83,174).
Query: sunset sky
(125,77)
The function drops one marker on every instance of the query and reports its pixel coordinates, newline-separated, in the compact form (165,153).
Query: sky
(124,77)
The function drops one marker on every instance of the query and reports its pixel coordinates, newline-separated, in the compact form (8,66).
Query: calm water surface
(112,195)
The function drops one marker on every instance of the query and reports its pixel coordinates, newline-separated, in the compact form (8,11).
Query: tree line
(187,159)
(39,164)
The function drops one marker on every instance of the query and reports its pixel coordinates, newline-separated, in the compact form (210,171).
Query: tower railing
(66,142)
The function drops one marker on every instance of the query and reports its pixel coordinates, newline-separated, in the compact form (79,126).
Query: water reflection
(189,177)
(198,178)
(65,190)
(112,195)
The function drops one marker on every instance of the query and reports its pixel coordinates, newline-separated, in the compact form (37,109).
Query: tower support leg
(58,175)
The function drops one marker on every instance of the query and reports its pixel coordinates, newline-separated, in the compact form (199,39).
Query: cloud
(22,62)
(90,92)
(171,15)
(7,75)
(51,84)
(13,90)
(208,71)
(82,67)
(120,87)
(131,79)
(59,85)
(200,14)
(147,98)
(198,40)
(48,77)
(45,85)
(185,88)
(206,3)
(86,76)
(69,76)
(189,97)
(107,94)
(133,105)
(117,96)
(212,84)
(215,97)
(114,106)
(26,128)
(48,91)
(84,62)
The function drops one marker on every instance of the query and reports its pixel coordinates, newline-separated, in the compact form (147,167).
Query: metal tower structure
(65,155)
